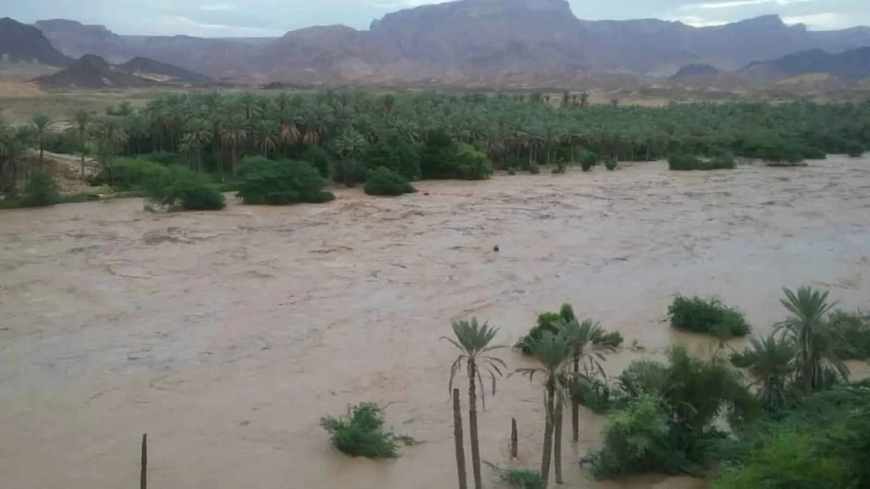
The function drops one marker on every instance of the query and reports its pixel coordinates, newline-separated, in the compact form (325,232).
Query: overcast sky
(215,18)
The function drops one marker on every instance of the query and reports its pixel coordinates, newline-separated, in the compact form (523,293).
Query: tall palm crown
(818,345)
(473,341)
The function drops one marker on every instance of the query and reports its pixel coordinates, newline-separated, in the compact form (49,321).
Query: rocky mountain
(852,64)
(93,72)
(21,43)
(694,70)
(466,42)
(163,72)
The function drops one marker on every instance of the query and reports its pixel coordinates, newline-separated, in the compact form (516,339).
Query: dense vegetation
(432,136)
(708,316)
(383,181)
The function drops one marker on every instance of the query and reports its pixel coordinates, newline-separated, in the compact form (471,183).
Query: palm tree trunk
(548,436)
(575,406)
(472,425)
(557,442)
(457,436)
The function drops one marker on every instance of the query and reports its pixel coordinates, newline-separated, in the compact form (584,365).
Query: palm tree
(553,352)
(579,336)
(349,146)
(818,345)
(41,126)
(110,137)
(82,120)
(473,342)
(770,360)
(192,142)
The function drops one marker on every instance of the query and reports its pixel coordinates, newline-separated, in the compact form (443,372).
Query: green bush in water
(269,182)
(383,181)
(707,316)
(181,188)
(854,149)
(588,159)
(360,433)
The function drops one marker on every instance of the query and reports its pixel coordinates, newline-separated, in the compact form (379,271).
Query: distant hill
(467,42)
(163,72)
(694,70)
(93,72)
(21,43)
(850,64)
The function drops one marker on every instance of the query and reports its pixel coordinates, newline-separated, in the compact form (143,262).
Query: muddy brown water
(225,336)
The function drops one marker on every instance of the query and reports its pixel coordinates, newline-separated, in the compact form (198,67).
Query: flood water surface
(226,336)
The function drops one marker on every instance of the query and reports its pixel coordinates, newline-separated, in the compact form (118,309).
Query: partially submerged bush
(853,148)
(687,162)
(610,164)
(519,478)
(132,173)
(723,161)
(360,433)
(707,316)
(473,164)
(180,188)
(269,182)
(383,181)
(395,153)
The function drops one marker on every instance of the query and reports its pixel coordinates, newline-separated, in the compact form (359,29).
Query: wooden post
(142,476)
(514,439)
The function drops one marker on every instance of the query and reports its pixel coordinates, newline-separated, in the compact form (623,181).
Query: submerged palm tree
(818,345)
(554,353)
(473,341)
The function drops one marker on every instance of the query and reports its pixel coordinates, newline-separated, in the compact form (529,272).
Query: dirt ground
(225,336)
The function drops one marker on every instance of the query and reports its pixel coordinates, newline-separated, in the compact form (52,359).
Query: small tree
(383,181)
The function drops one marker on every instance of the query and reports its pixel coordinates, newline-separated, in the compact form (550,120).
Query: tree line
(346,133)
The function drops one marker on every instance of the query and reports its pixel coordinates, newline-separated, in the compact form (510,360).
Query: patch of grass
(360,433)
(707,316)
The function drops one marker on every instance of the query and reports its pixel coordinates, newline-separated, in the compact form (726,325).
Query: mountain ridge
(467,41)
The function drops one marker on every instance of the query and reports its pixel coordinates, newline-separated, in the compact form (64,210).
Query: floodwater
(225,336)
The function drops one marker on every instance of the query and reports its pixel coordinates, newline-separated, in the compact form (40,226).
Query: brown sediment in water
(225,336)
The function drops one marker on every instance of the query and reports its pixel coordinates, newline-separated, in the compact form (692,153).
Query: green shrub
(588,159)
(687,162)
(813,153)
(534,168)
(854,328)
(383,181)
(546,322)
(820,443)
(269,182)
(853,149)
(181,188)
(611,338)
(519,478)
(438,156)
(360,433)
(396,153)
(131,174)
(40,191)
(561,166)
(723,161)
(594,394)
(707,316)
(319,158)
(670,413)
(473,164)
(636,440)
(610,164)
